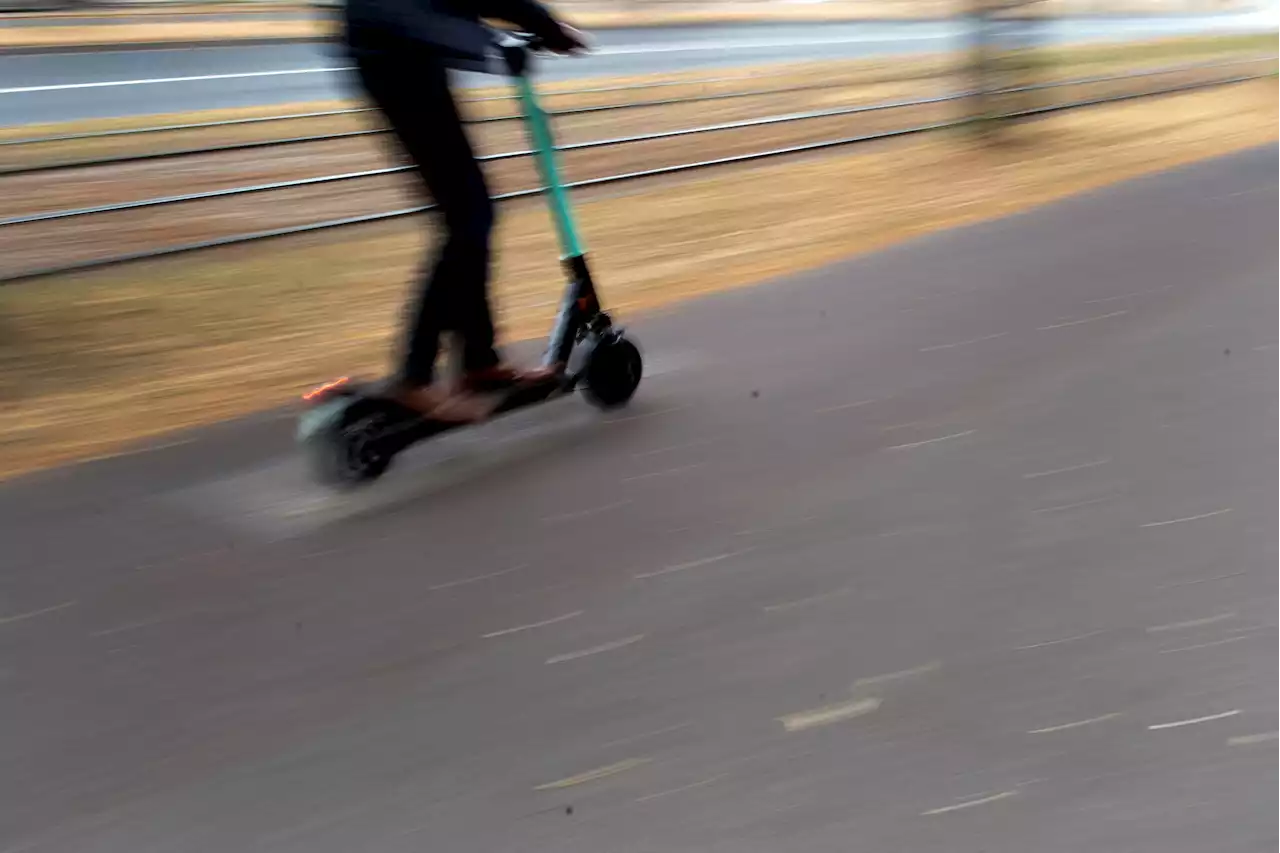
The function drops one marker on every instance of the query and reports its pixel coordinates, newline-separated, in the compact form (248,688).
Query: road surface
(968,545)
(96,84)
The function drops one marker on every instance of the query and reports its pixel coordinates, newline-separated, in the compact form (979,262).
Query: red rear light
(316,393)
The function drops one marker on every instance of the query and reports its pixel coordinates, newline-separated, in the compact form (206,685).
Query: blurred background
(200,219)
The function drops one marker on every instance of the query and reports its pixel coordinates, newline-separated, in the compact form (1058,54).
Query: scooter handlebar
(516,48)
(513,38)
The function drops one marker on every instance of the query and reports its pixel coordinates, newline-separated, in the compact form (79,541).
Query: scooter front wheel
(613,372)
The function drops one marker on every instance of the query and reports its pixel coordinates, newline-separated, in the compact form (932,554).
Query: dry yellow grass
(151,32)
(235,7)
(91,362)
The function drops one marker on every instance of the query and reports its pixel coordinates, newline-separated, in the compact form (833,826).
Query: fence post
(1002,55)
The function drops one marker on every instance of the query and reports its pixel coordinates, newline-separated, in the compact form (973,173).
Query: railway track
(95,215)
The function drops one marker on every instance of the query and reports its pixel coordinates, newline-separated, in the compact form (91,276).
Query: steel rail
(580,110)
(168,128)
(809,115)
(234,122)
(150,254)
(273,186)
(377,131)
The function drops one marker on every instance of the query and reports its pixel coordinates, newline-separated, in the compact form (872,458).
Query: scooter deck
(401,426)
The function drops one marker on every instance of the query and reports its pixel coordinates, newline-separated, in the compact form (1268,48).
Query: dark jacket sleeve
(529,15)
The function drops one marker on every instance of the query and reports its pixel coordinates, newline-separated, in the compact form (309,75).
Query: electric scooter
(351,433)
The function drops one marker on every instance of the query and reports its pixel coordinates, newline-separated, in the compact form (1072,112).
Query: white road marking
(128,626)
(1080,321)
(1192,722)
(621,50)
(642,415)
(923,669)
(584,513)
(1239,193)
(915,529)
(906,425)
(1057,642)
(964,343)
(1076,505)
(141,451)
(664,473)
(771,528)
(1188,518)
(828,714)
(644,735)
(595,650)
(1128,295)
(1203,645)
(801,602)
(1077,724)
(476,578)
(1249,740)
(844,407)
(682,788)
(194,78)
(31,614)
(671,448)
(932,440)
(593,775)
(1083,465)
(968,804)
(680,567)
(1193,623)
(1194,581)
(144,623)
(505,631)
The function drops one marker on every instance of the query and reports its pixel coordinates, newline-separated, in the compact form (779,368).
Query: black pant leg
(414,94)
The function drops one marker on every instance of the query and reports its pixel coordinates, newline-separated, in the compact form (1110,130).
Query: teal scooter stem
(539,124)
(580,313)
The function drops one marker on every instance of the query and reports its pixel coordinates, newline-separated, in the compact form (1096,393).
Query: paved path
(968,545)
(95,84)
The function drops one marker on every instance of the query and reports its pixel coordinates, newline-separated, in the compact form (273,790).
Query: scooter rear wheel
(613,373)
(342,445)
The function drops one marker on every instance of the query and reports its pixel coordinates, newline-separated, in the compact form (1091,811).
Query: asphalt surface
(97,84)
(967,545)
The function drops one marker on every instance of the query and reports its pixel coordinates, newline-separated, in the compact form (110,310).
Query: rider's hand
(566,40)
